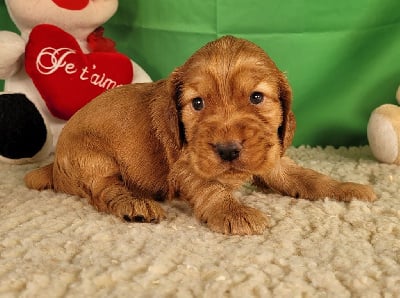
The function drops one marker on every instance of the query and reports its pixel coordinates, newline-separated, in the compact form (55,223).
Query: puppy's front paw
(346,191)
(235,219)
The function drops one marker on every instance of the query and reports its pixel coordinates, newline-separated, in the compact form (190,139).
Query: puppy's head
(235,108)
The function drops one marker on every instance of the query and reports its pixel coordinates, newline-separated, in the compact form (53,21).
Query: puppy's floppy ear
(288,126)
(175,85)
(165,116)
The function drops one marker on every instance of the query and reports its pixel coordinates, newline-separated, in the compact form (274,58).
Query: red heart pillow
(65,77)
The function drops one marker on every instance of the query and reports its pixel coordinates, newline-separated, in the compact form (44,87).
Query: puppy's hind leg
(98,179)
(110,195)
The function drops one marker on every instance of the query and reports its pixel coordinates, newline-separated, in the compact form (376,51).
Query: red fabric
(98,43)
(67,78)
(72,4)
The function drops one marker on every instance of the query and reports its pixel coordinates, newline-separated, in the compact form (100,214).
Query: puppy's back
(124,132)
(113,111)
(118,129)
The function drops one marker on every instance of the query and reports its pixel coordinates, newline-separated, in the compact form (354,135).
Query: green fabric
(341,57)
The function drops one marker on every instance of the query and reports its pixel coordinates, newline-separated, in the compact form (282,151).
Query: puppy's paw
(139,210)
(235,219)
(346,191)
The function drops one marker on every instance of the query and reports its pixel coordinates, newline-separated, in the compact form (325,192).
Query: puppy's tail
(41,178)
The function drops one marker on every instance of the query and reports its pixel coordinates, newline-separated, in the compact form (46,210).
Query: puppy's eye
(256,98)
(198,103)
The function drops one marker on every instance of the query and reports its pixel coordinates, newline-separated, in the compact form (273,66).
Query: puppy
(218,121)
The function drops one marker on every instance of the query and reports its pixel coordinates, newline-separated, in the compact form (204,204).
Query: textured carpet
(55,245)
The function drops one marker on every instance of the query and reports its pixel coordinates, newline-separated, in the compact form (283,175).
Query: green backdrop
(341,57)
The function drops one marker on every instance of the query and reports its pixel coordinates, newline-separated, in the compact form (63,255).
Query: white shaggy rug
(55,245)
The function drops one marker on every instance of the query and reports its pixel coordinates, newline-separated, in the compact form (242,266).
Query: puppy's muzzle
(228,151)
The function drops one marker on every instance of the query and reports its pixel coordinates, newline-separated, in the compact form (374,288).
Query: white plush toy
(384,132)
(58,63)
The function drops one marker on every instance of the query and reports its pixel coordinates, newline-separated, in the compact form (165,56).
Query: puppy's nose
(228,151)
